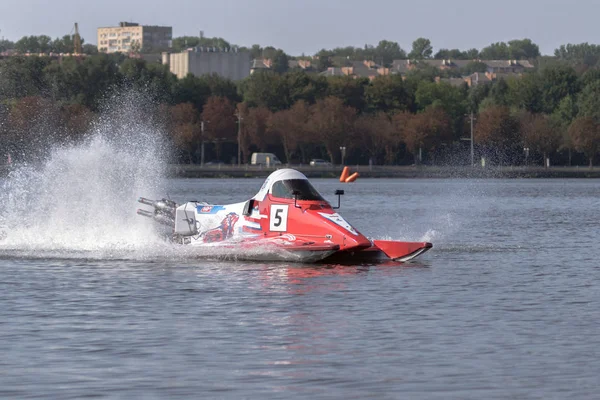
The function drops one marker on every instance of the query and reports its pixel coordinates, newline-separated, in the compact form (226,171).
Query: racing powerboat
(286,220)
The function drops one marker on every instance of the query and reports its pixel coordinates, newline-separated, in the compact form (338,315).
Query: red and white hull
(287,220)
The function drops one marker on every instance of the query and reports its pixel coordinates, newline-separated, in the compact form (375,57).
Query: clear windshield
(285,189)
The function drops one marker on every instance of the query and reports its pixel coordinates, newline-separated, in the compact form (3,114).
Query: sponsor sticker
(340,221)
(209,209)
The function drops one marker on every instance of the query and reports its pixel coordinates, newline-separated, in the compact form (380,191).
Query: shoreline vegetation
(545,114)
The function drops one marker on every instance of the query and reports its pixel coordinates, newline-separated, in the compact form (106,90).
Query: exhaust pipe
(162,204)
(160,218)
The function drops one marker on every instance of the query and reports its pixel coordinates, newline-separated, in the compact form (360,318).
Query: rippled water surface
(506,304)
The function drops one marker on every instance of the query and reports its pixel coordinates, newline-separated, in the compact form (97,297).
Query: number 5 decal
(279,217)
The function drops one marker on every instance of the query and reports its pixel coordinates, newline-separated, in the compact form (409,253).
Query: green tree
(184,42)
(64,44)
(280,62)
(567,110)
(351,91)
(220,86)
(563,117)
(557,82)
(265,89)
(444,96)
(302,86)
(477,94)
(583,53)
(472,54)
(191,89)
(387,93)
(45,43)
(6,45)
(589,76)
(269,52)
(90,49)
(85,82)
(181,43)
(323,60)
(495,51)
(256,51)
(387,51)
(421,48)
(28,44)
(523,49)
(155,79)
(449,54)
(585,134)
(589,101)
(22,77)
(525,93)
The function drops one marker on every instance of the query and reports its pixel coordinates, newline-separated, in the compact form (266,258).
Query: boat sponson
(397,250)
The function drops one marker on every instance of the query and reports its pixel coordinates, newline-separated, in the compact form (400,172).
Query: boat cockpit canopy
(285,189)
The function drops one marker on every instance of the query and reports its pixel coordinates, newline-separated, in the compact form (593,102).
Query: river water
(506,304)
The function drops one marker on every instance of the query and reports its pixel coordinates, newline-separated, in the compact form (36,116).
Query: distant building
(479,78)
(262,64)
(129,36)
(305,65)
(452,81)
(358,69)
(492,66)
(228,63)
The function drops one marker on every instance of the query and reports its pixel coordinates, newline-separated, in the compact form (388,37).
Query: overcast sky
(306,26)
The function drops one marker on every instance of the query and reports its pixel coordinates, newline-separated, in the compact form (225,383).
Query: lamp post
(239,137)
(472,138)
(526,150)
(343,151)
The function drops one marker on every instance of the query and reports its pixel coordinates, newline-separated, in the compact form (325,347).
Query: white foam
(82,198)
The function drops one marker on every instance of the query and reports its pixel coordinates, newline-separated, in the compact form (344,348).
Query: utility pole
(472,148)
(239,137)
(202,144)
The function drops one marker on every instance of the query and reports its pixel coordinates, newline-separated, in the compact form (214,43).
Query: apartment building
(133,37)
(228,63)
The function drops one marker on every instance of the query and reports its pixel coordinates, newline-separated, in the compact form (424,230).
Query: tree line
(552,112)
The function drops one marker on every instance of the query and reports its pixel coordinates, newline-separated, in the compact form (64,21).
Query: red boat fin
(402,251)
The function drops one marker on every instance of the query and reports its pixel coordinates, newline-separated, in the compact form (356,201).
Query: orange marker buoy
(345,173)
(352,177)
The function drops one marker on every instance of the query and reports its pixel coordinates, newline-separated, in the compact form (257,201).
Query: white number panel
(279,218)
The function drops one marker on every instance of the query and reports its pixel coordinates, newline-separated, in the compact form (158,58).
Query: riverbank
(365,171)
